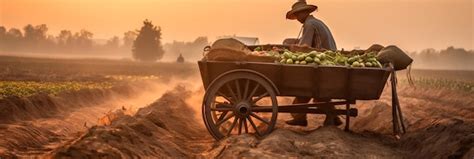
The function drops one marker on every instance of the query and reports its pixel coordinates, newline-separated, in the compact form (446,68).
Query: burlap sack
(223,54)
(228,50)
(230,43)
(396,56)
(374,48)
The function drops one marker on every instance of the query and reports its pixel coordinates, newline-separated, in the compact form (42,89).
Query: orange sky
(411,24)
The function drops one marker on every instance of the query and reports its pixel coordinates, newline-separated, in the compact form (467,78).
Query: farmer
(316,35)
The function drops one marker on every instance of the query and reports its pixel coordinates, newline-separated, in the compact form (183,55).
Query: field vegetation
(28,88)
(21,76)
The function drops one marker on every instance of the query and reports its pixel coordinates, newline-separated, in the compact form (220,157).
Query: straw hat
(298,7)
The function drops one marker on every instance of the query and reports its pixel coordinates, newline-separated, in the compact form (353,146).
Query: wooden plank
(309,110)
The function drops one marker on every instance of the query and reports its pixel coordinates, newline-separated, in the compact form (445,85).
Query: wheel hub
(242,109)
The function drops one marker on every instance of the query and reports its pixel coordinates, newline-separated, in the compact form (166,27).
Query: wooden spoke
(253,92)
(232,126)
(221,109)
(259,118)
(223,105)
(240,126)
(253,125)
(225,97)
(222,115)
(220,122)
(245,125)
(237,85)
(229,89)
(246,89)
(259,97)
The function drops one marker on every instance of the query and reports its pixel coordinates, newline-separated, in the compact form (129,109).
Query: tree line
(143,44)
(449,58)
(36,39)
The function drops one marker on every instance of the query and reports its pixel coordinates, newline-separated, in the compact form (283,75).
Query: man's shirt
(317,35)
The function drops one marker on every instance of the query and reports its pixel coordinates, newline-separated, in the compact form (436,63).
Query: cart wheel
(228,103)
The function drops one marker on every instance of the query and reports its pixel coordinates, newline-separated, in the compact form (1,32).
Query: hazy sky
(411,24)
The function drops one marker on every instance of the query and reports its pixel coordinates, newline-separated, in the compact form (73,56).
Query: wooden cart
(241,97)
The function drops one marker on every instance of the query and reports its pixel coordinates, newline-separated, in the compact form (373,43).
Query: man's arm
(307,37)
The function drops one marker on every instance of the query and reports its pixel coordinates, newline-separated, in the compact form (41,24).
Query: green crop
(28,88)
(438,83)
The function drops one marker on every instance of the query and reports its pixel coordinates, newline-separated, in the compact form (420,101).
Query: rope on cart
(410,80)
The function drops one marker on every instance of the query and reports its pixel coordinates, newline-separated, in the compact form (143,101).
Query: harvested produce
(326,58)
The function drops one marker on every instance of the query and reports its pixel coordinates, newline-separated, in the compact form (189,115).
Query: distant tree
(13,39)
(65,39)
(35,33)
(36,38)
(147,46)
(128,38)
(192,50)
(3,36)
(15,33)
(449,58)
(83,39)
(113,43)
(3,30)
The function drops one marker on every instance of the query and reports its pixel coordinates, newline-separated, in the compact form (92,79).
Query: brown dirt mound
(448,138)
(37,124)
(166,128)
(324,142)
(13,109)
(439,122)
(25,137)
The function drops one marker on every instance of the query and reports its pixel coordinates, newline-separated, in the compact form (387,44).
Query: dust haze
(73,87)
(157,112)
(36,41)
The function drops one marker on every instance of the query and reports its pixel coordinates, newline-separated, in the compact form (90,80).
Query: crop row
(28,88)
(437,83)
